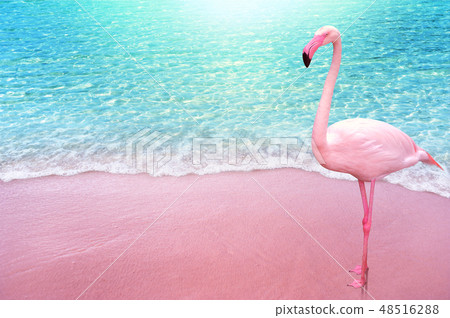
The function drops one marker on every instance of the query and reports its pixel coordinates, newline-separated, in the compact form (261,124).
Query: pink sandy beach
(223,236)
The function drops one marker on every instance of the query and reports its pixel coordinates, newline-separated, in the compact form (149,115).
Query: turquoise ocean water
(79,80)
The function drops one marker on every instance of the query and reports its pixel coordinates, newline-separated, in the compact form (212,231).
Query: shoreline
(230,235)
(428,180)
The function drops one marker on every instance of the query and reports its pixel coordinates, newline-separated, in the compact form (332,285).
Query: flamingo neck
(319,134)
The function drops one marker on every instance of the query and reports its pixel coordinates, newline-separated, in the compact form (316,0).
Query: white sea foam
(182,162)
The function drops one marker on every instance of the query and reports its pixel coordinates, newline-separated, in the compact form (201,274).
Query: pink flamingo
(365,148)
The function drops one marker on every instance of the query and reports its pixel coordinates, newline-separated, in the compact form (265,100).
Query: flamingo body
(365,148)
(368,149)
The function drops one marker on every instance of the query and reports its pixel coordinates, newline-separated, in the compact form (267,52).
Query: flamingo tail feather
(432,161)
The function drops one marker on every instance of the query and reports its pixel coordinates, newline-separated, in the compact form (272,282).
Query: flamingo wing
(368,149)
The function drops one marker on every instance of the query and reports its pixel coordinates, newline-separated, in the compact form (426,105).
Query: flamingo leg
(367,222)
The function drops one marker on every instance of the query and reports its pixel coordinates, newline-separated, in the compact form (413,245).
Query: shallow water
(77,82)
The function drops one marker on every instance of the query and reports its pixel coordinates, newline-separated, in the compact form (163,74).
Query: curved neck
(319,134)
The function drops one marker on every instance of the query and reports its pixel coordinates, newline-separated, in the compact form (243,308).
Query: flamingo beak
(311,48)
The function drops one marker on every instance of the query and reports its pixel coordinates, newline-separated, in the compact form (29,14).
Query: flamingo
(365,148)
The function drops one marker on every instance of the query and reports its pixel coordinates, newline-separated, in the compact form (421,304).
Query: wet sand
(273,234)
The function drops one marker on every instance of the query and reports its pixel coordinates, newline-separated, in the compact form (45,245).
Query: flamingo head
(323,36)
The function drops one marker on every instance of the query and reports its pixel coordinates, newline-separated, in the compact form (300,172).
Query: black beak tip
(306,59)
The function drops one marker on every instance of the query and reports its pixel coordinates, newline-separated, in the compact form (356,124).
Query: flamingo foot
(356,270)
(357,283)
